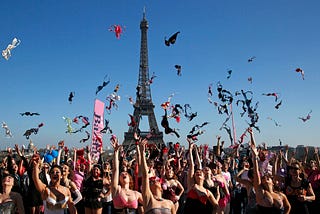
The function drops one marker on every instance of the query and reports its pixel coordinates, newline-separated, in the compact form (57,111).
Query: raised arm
(59,156)
(256,173)
(35,175)
(285,155)
(276,164)
(146,192)
(305,156)
(190,181)
(245,182)
(255,158)
(137,171)
(282,159)
(198,157)
(178,153)
(218,152)
(74,158)
(316,157)
(16,146)
(89,159)
(292,157)
(115,168)
(23,161)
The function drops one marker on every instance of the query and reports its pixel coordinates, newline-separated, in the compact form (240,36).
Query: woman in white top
(55,196)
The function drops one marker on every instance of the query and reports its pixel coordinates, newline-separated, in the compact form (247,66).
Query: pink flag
(97,126)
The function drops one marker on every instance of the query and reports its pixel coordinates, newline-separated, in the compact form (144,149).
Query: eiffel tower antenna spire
(143,105)
(144,12)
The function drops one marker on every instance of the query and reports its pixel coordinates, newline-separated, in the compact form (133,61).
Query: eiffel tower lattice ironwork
(143,105)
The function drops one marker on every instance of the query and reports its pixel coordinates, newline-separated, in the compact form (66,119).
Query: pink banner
(97,126)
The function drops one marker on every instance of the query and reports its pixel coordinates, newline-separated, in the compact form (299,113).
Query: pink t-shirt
(78,179)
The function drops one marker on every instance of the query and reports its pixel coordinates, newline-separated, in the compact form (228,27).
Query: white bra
(52,201)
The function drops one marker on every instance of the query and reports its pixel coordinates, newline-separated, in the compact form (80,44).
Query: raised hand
(252,144)
(115,143)
(286,147)
(16,147)
(191,143)
(9,150)
(136,136)
(35,160)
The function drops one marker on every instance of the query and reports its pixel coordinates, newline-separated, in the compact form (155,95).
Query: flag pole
(233,127)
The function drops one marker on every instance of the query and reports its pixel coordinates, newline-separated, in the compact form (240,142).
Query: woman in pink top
(125,199)
(78,176)
(80,167)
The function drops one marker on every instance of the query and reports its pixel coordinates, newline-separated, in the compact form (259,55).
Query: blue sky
(66,46)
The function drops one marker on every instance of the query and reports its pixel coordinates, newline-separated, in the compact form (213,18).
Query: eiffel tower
(143,105)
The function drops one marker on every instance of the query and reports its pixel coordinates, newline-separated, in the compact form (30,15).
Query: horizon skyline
(75,51)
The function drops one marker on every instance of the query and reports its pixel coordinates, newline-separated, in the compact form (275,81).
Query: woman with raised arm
(268,200)
(55,196)
(197,195)
(153,203)
(251,206)
(125,199)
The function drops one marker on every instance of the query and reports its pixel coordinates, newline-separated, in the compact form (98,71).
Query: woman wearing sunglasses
(298,189)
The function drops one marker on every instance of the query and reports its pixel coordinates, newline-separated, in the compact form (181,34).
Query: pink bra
(120,202)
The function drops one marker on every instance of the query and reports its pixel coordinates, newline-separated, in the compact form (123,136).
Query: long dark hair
(55,166)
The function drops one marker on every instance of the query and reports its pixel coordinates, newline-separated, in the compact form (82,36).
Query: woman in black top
(298,190)
(92,189)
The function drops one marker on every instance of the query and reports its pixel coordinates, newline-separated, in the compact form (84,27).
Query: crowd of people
(153,180)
